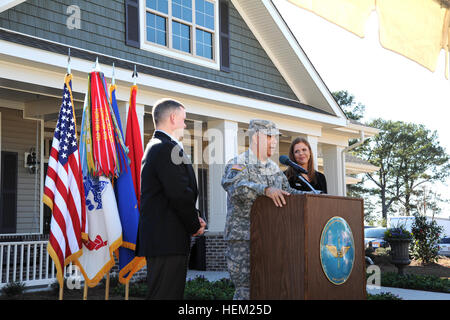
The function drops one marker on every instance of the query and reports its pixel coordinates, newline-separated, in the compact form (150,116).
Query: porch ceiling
(36,101)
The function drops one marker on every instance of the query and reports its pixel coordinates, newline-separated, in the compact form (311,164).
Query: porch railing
(28,262)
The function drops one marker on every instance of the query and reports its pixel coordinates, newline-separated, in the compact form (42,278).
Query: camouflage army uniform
(245,179)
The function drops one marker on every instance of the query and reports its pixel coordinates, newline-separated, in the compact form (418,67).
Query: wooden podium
(285,248)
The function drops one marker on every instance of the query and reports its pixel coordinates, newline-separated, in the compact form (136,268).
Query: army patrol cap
(264,126)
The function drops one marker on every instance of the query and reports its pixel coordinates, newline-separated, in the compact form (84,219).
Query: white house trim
(32,65)
(169,52)
(8,4)
(63,60)
(285,52)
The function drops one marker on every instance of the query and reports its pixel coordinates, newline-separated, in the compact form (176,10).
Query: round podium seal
(337,250)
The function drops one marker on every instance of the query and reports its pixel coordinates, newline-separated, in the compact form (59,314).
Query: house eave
(8,4)
(268,26)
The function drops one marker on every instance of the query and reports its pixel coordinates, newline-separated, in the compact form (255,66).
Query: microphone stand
(299,175)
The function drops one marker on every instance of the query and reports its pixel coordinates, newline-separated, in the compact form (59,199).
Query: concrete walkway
(404,294)
(407,294)
(210,275)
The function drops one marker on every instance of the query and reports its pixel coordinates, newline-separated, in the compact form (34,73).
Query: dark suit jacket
(319,184)
(168,216)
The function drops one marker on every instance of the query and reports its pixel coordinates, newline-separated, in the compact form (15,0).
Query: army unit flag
(133,141)
(99,158)
(105,230)
(126,195)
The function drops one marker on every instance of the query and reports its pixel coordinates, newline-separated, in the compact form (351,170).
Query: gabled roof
(7,4)
(281,46)
(273,34)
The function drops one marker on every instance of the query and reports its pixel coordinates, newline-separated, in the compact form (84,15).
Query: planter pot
(400,253)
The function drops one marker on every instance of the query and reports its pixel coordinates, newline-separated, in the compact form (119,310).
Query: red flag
(64,191)
(133,141)
(104,149)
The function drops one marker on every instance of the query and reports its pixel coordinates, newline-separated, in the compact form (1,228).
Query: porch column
(313,140)
(222,137)
(334,169)
(123,111)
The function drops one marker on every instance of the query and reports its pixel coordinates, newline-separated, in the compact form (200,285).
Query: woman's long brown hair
(311,172)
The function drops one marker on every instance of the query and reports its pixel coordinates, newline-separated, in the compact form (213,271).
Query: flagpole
(69,71)
(127,286)
(113,78)
(85,291)
(61,291)
(61,286)
(97,66)
(107,287)
(135,75)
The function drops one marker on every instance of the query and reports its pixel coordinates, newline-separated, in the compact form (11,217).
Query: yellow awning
(416,29)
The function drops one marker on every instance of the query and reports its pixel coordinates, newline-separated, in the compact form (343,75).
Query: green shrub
(197,289)
(383,296)
(202,289)
(417,282)
(426,235)
(136,289)
(13,289)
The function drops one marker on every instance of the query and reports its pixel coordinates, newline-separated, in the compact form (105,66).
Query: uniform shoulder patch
(237,167)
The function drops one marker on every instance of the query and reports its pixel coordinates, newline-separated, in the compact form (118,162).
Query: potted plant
(399,239)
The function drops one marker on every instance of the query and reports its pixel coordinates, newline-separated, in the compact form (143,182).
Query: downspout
(362,138)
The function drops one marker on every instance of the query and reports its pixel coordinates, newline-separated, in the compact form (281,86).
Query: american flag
(64,191)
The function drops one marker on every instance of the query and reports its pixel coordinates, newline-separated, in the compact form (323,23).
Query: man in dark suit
(168,216)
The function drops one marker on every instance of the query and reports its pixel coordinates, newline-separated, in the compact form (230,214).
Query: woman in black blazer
(300,152)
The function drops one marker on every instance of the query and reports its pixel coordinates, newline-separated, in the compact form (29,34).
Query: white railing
(27,262)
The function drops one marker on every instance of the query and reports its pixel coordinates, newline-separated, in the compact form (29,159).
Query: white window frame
(177,54)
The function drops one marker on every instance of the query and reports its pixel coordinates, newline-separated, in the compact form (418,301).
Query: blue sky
(391,86)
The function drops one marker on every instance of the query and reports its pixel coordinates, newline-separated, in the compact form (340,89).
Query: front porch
(27,262)
(217,123)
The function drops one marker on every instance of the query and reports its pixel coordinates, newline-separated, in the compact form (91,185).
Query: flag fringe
(59,269)
(131,268)
(105,269)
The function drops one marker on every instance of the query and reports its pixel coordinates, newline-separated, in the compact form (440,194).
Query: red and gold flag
(104,150)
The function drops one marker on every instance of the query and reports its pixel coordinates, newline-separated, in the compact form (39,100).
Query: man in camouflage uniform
(247,176)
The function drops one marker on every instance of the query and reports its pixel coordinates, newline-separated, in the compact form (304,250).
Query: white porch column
(123,111)
(313,140)
(334,169)
(222,137)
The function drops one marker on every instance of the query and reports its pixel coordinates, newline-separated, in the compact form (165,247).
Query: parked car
(444,246)
(375,236)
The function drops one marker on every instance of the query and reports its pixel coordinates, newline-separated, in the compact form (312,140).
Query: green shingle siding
(103,30)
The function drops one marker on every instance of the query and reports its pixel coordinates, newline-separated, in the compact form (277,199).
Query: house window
(156,29)
(183,29)
(181,36)
(204,44)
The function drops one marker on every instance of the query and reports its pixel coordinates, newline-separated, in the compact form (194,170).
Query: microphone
(288,162)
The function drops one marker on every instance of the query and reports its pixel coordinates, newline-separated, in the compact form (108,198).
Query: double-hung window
(182,29)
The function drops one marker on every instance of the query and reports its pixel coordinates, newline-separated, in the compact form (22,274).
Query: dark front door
(8,203)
